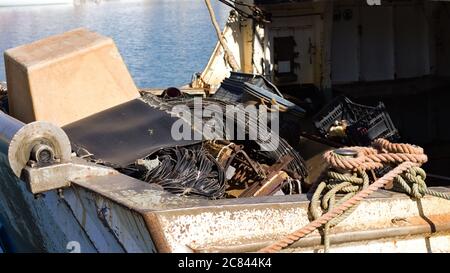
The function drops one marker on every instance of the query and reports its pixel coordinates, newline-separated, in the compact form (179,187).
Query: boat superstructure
(396,52)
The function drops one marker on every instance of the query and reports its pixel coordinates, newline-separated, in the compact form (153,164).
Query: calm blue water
(163,42)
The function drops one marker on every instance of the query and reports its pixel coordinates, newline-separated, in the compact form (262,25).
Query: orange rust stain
(436,219)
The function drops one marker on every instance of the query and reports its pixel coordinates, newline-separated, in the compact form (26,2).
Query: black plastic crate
(365,123)
(377,124)
(341,108)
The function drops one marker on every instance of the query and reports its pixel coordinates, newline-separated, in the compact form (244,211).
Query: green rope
(411,182)
(336,183)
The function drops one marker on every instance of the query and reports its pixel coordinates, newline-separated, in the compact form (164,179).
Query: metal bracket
(50,177)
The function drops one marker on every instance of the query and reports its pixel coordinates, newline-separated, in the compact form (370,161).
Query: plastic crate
(377,124)
(341,108)
(365,123)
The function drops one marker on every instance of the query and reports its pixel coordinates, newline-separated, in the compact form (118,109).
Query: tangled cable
(188,171)
(348,175)
(273,152)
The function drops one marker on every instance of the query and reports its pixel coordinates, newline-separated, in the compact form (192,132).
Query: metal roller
(40,141)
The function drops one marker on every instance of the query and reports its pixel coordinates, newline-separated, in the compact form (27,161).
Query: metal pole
(228,54)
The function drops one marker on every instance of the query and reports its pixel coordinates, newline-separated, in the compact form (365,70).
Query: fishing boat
(91,163)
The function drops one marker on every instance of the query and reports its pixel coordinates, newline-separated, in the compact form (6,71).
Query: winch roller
(39,141)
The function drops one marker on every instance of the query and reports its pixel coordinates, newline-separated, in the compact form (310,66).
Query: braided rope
(402,148)
(338,210)
(337,183)
(437,194)
(371,161)
(407,177)
(413,183)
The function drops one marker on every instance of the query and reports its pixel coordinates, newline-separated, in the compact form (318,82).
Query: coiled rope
(348,175)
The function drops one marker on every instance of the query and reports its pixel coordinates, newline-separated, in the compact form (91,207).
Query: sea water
(163,42)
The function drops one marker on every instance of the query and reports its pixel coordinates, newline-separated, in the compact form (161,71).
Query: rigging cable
(257,13)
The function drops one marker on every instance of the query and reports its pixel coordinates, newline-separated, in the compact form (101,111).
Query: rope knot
(412,182)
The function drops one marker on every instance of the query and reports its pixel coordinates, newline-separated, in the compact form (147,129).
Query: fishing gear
(186,171)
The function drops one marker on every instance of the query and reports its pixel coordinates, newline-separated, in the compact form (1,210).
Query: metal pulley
(39,141)
(39,153)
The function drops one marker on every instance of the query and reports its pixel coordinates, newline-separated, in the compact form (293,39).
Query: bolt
(42,153)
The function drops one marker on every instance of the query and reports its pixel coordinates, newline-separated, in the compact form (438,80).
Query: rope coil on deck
(348,175)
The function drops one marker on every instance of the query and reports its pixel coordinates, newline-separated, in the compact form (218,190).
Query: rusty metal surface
(340,237)
(273,181)
(236,229)
(415,243)
(272,184)
(180,224)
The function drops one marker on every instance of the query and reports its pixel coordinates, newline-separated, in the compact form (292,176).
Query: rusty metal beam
(337,237)
(183,224)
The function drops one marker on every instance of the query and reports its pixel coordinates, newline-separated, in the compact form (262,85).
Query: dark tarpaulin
(124,133)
